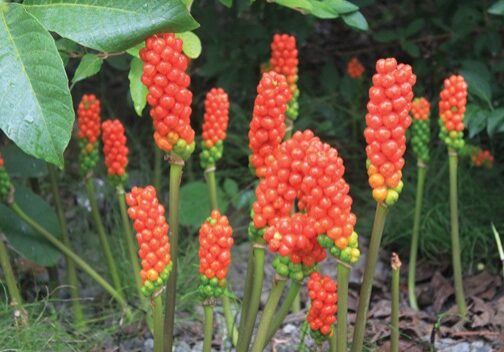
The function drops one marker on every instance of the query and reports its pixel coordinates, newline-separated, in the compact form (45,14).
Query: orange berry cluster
(420,128)
(307,170)
(482,158)
(88,123)
(452,106)
(324,297)
(214,126)
(115,150)
(284,60)
(387,121)
(169,97)
(216,240)
(267,127)
(149,221)
(5,181)
(354,68)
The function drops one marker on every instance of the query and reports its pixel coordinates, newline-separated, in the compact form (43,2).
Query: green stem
(176,167)
(128,237)
(304,330)
(70,254)
(367,282)
(255,300)
(280,315)
(296,304)
(73,281)
(230,324)
(333,341)
(158,157)
(15,296)
(114,274)
(415,237)
(212,188)
(157,318)
(267,316)
(457,266)
(394,319)
(247,291)
(341,327)
(207,342)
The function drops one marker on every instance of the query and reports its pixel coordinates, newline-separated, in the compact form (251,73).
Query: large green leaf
(478,85)
(194,205)
(497,8)
(495,122)
(35,106)
(20,164)
(138,90)
(111,25)
(356,20)
(22,237)
(89,65)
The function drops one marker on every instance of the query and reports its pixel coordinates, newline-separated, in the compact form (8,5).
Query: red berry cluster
(149,221)
(452,107)
(284,58)
(307,170)
(169,97)
(115,149)
(267,127)
(88,123)
(482,158)
(214,126)
(354,68)
(216,240)
(387,121)
(420,109)
(324,296)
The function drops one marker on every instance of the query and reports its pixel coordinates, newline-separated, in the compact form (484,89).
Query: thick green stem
(212,188)
(158,158)
(394,318)
(15,296)
(230,322)
(296,304)
(333,341)
(341,327)
(457,266)
(267,316)
(304,330)
(247,290)
(207,341)
(255,299)
(415,237)
(128,238)
(70,254)
(73,281)
(157,319)
(367,282)
(176,167)
(280,315)
(114,274)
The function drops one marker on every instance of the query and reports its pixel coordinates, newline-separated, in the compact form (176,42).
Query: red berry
(452,104)
(323,294)
(420,108)
(88,119)
(216,117)
(114,147)
(482,158)
(355,68)
(284,58)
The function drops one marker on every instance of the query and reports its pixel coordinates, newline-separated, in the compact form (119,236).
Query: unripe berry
(323,294)
(267,126)
(452,106)
(169,97)
(5,181)
(216,240)
(115,150)
(420,136)
(354,68)
(88,123)
(214,126)
(151,228)
(284,60)
(387,121)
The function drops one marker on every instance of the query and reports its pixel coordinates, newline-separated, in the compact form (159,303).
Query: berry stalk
(176,167)
(394,319)
(422,171)
(10,280)
(157,318)
(228,315)
(367,282)
(268,312)
(341,327)
(208,328)
(114,274)
(456,262)
(212,188)
(70,254)
(128,238)
(73,281)
(156,181)
(247,291)
(333,341)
